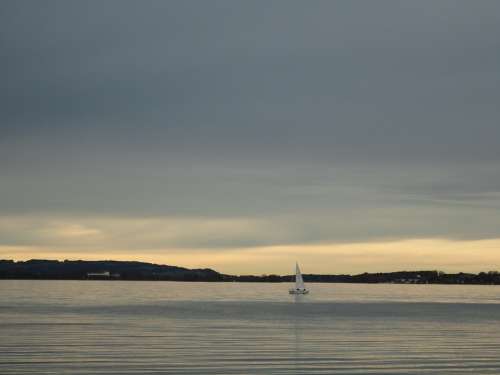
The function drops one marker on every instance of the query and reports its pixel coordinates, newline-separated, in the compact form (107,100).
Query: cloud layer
(225,125)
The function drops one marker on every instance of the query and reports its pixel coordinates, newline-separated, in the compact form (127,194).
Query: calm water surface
(117,327)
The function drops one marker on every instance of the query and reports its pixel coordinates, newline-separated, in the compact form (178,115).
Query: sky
(350,136)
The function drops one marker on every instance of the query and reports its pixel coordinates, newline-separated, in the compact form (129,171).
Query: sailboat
(299,282)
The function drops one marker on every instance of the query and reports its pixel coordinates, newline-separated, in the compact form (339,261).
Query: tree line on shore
(127,270)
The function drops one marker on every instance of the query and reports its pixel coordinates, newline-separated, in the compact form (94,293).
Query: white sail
(299,282)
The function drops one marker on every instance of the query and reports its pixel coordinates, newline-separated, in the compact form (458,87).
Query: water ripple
(161,336)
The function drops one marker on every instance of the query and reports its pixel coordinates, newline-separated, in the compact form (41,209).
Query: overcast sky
(243,135)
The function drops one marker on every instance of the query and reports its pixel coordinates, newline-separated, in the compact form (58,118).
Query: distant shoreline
(40,269)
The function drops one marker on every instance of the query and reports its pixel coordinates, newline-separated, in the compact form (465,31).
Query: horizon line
(260,275)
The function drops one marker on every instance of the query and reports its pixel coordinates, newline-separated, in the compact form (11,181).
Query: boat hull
(298,291)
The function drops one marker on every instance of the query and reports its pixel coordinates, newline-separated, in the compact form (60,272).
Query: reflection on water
(56,327)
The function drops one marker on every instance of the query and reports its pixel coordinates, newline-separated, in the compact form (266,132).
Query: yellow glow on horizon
(414,254)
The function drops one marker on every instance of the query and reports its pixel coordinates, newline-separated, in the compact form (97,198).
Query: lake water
(118,327)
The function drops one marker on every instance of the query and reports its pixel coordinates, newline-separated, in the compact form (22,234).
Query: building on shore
(104,275)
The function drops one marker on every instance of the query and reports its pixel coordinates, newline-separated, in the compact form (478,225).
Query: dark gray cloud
(307,111)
